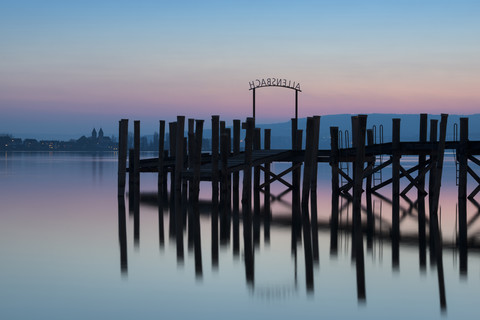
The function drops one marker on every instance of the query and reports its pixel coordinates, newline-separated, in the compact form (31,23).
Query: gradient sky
(69,66)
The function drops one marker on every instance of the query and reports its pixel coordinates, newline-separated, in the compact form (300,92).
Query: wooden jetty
(187,165)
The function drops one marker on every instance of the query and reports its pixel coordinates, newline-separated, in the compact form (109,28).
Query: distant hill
(409,127)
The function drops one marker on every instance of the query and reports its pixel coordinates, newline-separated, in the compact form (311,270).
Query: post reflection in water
(122,235)
(341,231)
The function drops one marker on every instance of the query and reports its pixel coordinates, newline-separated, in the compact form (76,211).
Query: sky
(68,66)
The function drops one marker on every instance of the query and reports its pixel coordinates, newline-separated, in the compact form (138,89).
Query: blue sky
(69,66)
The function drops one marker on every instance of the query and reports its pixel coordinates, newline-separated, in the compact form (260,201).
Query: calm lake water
(61,256)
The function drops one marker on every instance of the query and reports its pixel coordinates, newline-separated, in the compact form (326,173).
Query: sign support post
(275,82)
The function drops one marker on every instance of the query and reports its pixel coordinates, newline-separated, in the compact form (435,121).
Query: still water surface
(60,257)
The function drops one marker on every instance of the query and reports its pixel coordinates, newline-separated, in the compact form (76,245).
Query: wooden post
(266,199)
(256,191)
(247,175)
(122,155)
(360,123)
(131,180)
(223,168)
(196,163)
(256,175)
(184,192)
(191,148)
(224,222)
(462,183)
(179,163)
(122,235)
(421,196)
(188,204)
(396,193)
(313,189)
(160,184)
(247,202)
(215,178)
(335,190)
(435,232)
(296,179)
(307,172)
(359,140)
(396,179)
(236,191)
(228,197)
(370,217)
(431,183)
(173,152)
(136,181)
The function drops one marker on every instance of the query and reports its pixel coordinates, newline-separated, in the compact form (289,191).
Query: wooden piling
(266,200)
(359,143)
(196,163)
(236,189)
(370,217)
(131,180)
(256,190)
(179,163)
(435,232)
(359,127)
(160,184)
(295,174)
(396,178)
(136,182)
(122,155)
(313,189)
(223,170)
(224,217)
(215,178)
(421,196)
(228,197)
(247,202)
(335,190)
(173,152)
(296,195)
(431,183)
(188,203)
(122,235)
(256,174)
(462,183)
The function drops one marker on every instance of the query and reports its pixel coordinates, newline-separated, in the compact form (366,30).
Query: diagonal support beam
(474,160)
(474,192)
(413,182)
(473,174)
(387,182)
(278,176)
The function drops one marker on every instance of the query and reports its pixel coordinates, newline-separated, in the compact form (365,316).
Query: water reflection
(308,241)
(122,235)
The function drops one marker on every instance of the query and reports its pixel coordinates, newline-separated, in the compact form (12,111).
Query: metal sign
(275,82)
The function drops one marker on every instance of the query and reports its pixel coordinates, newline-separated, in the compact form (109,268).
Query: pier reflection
(346,239)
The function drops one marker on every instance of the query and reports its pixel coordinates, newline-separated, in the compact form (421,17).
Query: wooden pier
(187,166)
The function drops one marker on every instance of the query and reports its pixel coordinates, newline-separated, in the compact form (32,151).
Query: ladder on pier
(377,176)
(344,166)
(457,168)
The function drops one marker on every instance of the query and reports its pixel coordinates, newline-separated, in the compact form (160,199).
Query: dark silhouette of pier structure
(187,166)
